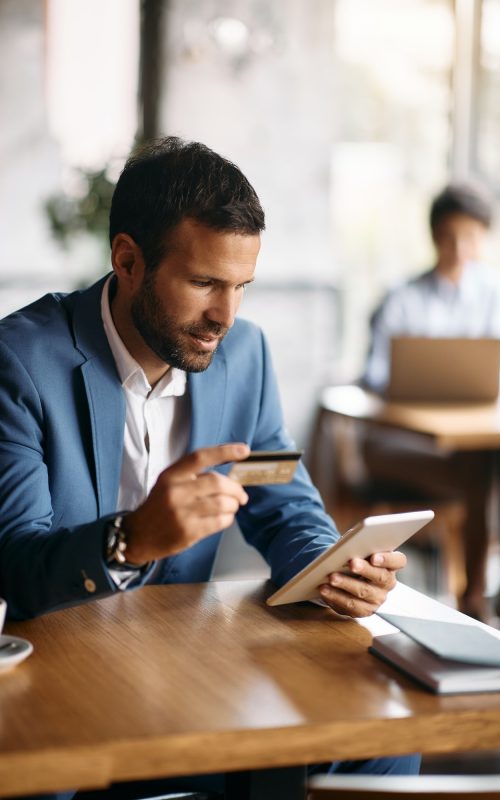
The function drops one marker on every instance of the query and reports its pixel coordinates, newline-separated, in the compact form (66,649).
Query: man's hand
(361,595)
(186,504)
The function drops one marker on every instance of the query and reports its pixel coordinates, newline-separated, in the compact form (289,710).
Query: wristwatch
(116,546)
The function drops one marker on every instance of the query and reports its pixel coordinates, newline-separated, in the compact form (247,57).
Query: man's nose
(223,309)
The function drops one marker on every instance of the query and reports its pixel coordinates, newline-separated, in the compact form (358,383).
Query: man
(121,407)
(459,297)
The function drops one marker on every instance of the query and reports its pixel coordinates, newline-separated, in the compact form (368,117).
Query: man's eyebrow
(219,281)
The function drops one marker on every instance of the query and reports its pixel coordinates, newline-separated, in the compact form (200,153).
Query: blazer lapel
(208,395)
(107,417)
(104,396)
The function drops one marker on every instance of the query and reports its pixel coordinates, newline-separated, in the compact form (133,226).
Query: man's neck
(154,368)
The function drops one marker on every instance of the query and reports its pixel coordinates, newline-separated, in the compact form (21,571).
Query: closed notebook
(446,657)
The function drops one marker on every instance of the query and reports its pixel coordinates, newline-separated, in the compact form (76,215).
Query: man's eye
(201,284)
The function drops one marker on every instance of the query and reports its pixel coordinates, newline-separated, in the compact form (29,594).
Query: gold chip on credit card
(266,466)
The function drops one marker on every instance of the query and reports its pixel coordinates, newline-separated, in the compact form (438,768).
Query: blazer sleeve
(42,566)
(287,523)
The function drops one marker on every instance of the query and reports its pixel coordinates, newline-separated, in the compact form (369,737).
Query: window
(393,66)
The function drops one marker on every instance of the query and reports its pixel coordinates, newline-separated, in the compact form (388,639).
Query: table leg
(285,783)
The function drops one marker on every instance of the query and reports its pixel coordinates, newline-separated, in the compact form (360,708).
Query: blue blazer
(62,416)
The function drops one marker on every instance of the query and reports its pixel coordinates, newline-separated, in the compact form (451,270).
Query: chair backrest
(408,787)
(187,796)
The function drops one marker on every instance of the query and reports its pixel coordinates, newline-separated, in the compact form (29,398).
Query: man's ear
(127,261)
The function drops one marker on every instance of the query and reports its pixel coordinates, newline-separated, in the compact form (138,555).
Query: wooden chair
(189,796)
(186,796)
(337,470)
(110,794)
(407,787)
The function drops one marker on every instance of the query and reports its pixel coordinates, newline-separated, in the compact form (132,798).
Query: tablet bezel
(375,534)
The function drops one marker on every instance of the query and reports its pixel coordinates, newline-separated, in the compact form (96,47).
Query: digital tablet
(372,535)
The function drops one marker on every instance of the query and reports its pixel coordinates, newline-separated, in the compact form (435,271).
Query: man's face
(458,239)
(185,307)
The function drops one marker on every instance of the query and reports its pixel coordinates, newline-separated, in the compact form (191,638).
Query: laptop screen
(425,369)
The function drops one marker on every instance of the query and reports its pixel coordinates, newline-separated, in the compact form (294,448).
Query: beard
(166,338)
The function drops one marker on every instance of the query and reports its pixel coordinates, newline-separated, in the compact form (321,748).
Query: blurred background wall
(347,115)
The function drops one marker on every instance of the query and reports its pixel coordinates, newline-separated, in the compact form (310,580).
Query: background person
(458,297)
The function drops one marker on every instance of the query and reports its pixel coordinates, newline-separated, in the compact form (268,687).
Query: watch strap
(116,546)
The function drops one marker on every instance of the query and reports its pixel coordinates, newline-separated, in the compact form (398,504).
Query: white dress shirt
(157,424)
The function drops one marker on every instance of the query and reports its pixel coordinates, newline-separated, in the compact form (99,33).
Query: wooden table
(190,679)
(453,426)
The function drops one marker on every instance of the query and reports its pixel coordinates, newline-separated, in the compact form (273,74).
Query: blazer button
(90,585)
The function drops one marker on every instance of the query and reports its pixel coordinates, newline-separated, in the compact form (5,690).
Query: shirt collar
(448,289)
(131,374)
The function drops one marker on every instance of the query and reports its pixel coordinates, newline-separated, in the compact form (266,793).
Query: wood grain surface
(186,679)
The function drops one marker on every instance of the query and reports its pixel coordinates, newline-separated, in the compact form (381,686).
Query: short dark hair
(461,198)
(169,179)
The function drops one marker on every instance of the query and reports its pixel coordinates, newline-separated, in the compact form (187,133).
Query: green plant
(84,209)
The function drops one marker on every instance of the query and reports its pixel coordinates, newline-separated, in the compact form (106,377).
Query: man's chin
(194,362)
(188,359)
(199,365)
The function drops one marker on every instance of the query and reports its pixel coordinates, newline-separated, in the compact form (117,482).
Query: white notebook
(448,656)
(408,611)
(440,675)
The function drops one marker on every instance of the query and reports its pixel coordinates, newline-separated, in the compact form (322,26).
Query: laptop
(425,369)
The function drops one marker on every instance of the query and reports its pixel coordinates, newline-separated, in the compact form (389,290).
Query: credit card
(266,466)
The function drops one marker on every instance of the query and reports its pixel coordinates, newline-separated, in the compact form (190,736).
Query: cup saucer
(13,650)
